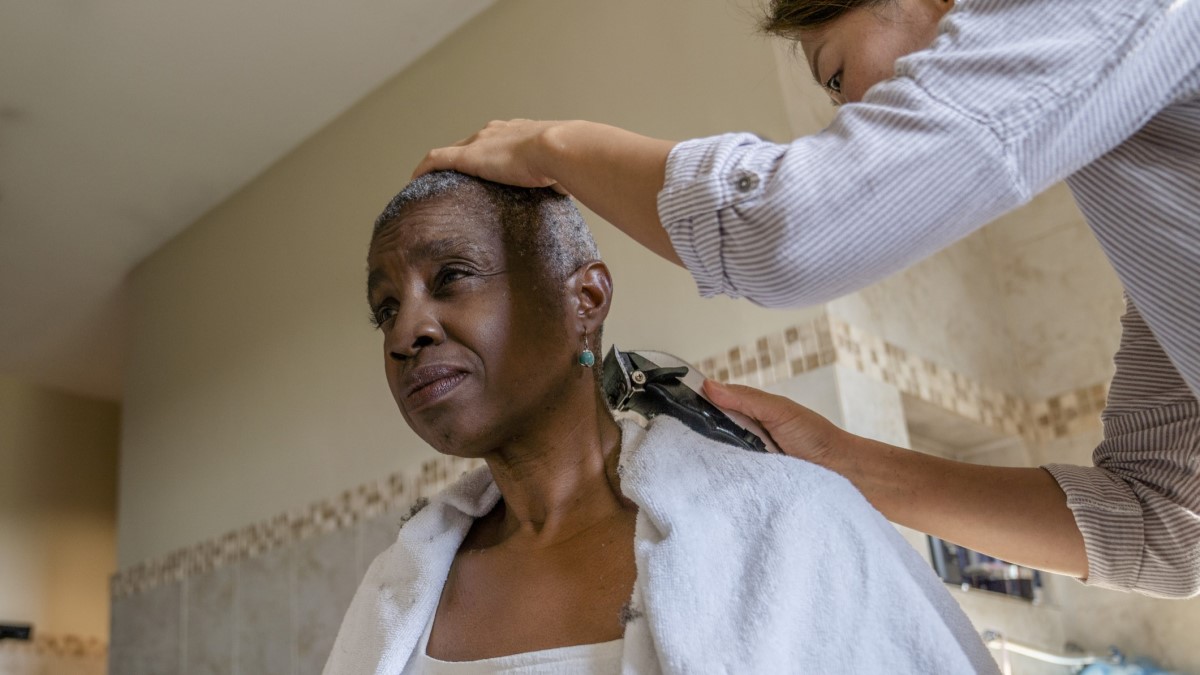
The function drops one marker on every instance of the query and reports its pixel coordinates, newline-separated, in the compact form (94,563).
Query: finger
(436,160)
(559,189)
(767,409)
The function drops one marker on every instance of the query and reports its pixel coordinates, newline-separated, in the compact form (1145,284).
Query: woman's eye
(449,275)
(381,315)
(834,83)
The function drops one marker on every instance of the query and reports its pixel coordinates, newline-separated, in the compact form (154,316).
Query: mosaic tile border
(400,490)
(63,646)
(825,341)
(801,348)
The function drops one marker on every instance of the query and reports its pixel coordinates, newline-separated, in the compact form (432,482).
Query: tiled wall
(269,598)
(53,655)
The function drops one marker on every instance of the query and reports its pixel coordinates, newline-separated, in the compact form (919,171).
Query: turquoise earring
(586,358)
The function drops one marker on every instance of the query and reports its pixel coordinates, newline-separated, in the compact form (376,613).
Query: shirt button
(746,182)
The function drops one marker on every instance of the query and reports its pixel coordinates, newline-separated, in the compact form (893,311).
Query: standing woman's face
(859,49)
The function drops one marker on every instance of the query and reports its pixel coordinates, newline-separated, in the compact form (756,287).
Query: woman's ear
(592,289)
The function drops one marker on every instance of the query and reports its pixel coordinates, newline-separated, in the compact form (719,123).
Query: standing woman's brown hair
(787,18)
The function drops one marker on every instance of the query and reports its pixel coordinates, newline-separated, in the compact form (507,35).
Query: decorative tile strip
(825,341)
(399,491)
(776,357)
(1068,414)
(64,646)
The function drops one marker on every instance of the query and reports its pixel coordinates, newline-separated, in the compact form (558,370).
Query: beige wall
(58,459)
(255,383)
(947,308)
(1028,304)
(1061,297)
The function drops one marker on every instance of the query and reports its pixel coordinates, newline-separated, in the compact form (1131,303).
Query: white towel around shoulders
(746,563)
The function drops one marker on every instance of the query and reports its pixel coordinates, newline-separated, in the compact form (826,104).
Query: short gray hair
(535,222)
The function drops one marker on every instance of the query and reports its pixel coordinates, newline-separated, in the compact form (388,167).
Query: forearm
(615,173)
(1016,514)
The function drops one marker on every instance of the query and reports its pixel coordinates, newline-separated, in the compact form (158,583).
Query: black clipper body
(653,383)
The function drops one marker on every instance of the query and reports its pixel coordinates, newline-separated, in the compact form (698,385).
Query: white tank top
(603,658)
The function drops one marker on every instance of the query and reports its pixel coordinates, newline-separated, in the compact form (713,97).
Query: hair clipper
(650,384)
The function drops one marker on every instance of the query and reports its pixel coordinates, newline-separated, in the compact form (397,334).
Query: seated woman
(587,545)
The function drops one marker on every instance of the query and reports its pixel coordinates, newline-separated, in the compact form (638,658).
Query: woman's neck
(559,480)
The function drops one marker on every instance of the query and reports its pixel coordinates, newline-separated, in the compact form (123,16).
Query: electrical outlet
(16,631)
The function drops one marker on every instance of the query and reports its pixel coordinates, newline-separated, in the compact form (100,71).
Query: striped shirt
(1013,96)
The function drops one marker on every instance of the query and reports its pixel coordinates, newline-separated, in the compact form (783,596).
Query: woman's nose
(411,332)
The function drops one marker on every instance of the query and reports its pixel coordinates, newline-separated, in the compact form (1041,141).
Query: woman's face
(472,349)
(859,49)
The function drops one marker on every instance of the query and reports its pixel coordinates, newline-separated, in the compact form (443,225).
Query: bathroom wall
(58,462)
(254,381)
(274,605)
(955,290)
(1028,304)
(1059,295)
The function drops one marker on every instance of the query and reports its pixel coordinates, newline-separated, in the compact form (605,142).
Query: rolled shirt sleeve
(802,223)
(1138,508)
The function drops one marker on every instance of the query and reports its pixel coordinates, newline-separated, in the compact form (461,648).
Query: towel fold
(746,563)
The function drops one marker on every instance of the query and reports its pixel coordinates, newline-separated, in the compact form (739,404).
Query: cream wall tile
(815,390)
(1063,303)
(210,623)
(266,614)
(377,535)
(871,408)
(951,433)
(1011,451)
(326,578)
(946,308)
(1067,450)
(146,632)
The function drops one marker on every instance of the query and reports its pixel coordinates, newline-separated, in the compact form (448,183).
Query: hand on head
(502,152)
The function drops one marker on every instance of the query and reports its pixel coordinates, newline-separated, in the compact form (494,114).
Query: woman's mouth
(430,385)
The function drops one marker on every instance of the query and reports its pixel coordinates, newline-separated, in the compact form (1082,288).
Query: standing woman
(953,116)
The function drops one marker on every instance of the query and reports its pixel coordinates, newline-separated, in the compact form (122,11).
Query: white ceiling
(123,121)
